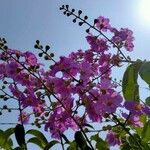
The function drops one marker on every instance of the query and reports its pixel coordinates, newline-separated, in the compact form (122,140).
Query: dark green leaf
(39,135)
(130,86)
(88,125)
(146,132)
(139,129)
(2,139)
(147,101)
(50,144)
(65,138)
(100,143)
(36,141)
(18,148)
(72,146)
(126,146)
(145,145)
(20,134)
(144,72)
(5,141)
(81,142)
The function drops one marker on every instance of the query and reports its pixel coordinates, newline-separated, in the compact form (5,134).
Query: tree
(78,91)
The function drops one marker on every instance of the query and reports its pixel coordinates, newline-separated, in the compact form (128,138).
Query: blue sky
(23,22)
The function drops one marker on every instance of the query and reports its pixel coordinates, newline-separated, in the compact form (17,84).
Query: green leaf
(50,144)
(143,119)
(145,145)
(88,125)
(72,146)
(5,141)
(147,101)
(65,138)
(2,139)
(20,134)
(36,141)
(134,140)
(39,135)
(144,72)
(100,143)
(9,132)
(126,146)
(81,142)
(130,86)
(146,132)
(18,148)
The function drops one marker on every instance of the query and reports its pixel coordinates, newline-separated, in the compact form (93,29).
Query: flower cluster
(80,80)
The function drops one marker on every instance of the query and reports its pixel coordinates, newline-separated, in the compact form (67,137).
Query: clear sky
(22,22)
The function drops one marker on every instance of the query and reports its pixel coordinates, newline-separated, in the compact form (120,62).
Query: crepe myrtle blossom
(123,38)
(24,118)
(108,102)
(133,120)
(82,78)
(59,121)
(97,45)
(30,58)
(102,23)
(113,139)
(136,108)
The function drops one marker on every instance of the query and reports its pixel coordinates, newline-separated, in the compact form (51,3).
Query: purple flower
(113,139)
(124,37)
(97,45)
(103,23)
(110,101)
(133,120)
(24,118)
(134,107)
(30,58)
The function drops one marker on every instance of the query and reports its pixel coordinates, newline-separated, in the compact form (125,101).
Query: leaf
(100,143)
(88,125)
(144,72)
(147,101)
(81,142)
(5,141)
(146,132)
(130,86)
(126,146)
(145,145)
(9,132)
(139,129)
(134,140)
(65,138)
(39,135)
(20,134)
(2,139)
(36,141)
(72,146)
(18,148)
(50,144)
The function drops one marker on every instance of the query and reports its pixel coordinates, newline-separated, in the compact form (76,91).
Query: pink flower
(12,69)
(110,101)
(59,121)
(133,120)
(38,109)
(136,108)
(30,58)
(124,37)
(113,139)
(24,118)
(2,70)
(97,45)
(103,24)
